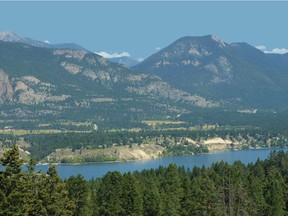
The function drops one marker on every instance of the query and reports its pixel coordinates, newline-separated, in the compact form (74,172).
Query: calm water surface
(96,170)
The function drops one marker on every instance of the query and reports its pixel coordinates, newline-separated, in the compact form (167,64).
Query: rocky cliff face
(30,90)
(6,89)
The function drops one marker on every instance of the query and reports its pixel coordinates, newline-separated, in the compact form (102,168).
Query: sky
(139,29)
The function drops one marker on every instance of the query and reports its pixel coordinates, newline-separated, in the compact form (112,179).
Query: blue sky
(141,28)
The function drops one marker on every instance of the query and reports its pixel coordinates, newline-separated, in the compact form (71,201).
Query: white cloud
(140,59)
(113,55)
(277,51)
(157,48)
(46,41)
(261,47)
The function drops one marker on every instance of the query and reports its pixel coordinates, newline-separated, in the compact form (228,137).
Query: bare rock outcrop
(6,89)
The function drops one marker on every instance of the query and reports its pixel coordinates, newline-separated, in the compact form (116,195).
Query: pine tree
(109,195)
(204,196)
(12,199)
(274,193)
(187,199)
(131,198)
(19,191)
(151,198)
(12,161)
(55,195)
(80,193)
(257,205)
(171,192)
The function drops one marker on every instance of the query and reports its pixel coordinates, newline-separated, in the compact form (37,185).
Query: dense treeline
(8,140)
(254,118)
(222,189)
(116,117)
(31,193)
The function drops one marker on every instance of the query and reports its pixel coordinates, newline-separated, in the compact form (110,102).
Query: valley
(143,108)
(62,103)
(84,142)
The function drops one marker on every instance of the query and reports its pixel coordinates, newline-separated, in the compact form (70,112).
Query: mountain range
(236,73)
(37,82)
(67,81)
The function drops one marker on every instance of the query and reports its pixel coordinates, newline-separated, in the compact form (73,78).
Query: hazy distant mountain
(126,61)
(236,73)
(13,37)
(64,83)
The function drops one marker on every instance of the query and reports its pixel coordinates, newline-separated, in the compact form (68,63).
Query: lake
(96,170)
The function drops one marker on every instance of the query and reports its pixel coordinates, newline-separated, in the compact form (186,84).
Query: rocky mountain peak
(191,52)
(10,37)
(219,41)
(193,47)
(211,41)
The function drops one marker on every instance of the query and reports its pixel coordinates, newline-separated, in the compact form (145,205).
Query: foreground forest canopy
(222,189)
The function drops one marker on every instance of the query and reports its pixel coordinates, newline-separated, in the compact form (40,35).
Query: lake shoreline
(151,159)
(98,170)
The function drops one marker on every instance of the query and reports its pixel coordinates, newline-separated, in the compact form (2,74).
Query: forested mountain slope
(62,83)
(237,73)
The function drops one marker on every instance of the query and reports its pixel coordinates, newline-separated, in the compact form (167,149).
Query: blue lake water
(96,170)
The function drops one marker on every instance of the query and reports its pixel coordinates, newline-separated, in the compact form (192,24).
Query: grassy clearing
(78,124)
(24,132)
(161,122)
(48,131)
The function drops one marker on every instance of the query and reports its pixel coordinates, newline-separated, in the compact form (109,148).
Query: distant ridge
(13,37)
(126,61)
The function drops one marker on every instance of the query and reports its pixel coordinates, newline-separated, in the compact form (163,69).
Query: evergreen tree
(171,191)
(109,195)
(274,193)
(204,195)
(80,193)
(11,160)
(257,205)
(241,200)
(187,199)
(55,195)
(151,198)
(19,191)
(12,199)
(94,185)
(132,201)
(225,193)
